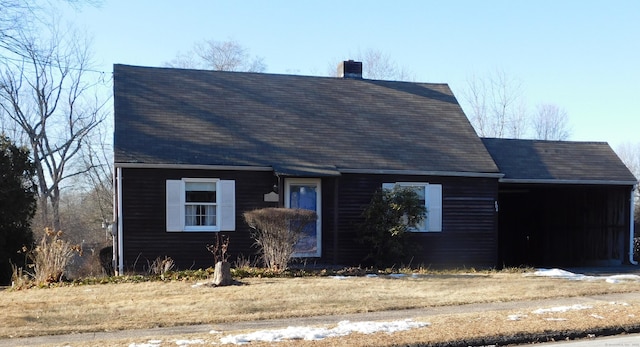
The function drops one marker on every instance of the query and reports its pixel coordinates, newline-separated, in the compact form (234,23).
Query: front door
(305,193)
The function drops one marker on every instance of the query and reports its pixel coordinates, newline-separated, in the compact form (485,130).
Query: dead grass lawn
(112,307)
(466,329)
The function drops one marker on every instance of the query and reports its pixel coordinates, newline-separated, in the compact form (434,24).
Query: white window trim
(217,205)
(433,204)
(225,206)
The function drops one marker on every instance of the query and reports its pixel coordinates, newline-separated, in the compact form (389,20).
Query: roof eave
(423,173)
(568,181)
(337,172)
(192,167)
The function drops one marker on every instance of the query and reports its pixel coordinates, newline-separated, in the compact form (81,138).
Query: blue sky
(582,55)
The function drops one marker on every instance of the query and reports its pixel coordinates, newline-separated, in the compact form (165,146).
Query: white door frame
(287,203)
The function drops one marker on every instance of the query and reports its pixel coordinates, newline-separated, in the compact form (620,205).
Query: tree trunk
(55,209)
(222,274)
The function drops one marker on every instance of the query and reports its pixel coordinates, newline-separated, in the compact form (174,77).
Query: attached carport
(562,203)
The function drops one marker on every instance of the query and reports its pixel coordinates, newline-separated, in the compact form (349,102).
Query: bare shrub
(106,260)
(276,232)
(219,249)
(19,279)
(160,266)
(50,258)
(243,262)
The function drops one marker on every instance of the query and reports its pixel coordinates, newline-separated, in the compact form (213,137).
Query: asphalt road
(631,340)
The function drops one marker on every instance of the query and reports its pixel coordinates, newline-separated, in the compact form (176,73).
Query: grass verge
(110,307)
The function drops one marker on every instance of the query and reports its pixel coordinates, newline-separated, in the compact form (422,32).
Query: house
(195,149)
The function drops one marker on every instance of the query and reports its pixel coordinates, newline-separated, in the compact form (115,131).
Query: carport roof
(562,162)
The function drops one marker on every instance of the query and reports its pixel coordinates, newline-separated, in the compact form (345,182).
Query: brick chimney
(350,69)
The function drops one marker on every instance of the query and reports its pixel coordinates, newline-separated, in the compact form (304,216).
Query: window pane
(199,196)
(200,215)
(305,196)
(200,192)
(210,215)
(421,191)
(200,186)
(190,215)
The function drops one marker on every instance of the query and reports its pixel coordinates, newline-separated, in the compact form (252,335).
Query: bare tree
(86,208)
(45,89)
(99,177)
(551,122)
(219,56)
(629,153)
(379,66)
(495,105)
(17,16)
(13,19)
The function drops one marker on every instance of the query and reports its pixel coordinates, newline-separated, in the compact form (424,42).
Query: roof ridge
(546,141)
(271,74)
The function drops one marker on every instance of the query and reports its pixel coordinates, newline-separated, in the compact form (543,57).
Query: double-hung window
(200,204)
(431,196)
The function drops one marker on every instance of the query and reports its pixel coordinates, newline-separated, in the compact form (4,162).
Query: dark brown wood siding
(469,221)
(468,237)
(144,216)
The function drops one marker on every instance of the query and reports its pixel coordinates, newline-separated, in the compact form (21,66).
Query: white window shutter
(227,205)
(388,186)
(434,208)
(175,205)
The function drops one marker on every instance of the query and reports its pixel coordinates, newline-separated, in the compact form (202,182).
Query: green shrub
(387,219)
(17,206)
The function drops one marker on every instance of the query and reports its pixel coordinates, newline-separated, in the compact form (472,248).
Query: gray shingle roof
(297,123)
(536,160)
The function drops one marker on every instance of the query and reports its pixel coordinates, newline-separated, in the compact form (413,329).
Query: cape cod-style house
(195,149)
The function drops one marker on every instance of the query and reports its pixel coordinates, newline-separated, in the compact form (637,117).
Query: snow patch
(619,303)
(150,343)
(339,277)
(563,274)
(201,284)
(558,309)
(623,278)
(559,273)
(183,343)
(516,317)
(397,275)
(309,333)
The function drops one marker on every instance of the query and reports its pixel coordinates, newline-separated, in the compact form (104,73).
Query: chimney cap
(350,69)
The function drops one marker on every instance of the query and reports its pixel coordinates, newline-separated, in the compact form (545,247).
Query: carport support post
(632,225)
